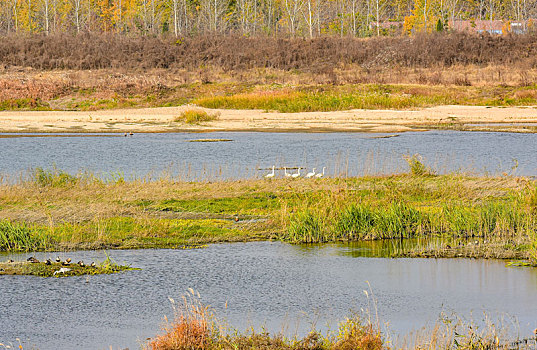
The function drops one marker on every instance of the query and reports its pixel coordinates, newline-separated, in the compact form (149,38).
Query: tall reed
(20,237)
(362,220)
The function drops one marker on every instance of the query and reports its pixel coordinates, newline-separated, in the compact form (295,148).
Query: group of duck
(309,175)
(66,262)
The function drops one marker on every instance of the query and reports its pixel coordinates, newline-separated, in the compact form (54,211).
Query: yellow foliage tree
(423,19)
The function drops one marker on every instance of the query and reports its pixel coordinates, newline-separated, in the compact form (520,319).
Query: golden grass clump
(190,329)
(195,116)
(353,334)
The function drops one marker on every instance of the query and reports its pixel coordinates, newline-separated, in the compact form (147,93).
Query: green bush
(54,177)
(195,116)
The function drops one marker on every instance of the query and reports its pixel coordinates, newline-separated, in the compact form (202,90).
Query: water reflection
(386,248)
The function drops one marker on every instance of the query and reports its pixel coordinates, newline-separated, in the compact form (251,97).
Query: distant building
(478,26)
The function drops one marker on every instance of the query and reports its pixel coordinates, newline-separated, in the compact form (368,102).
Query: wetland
(280,255)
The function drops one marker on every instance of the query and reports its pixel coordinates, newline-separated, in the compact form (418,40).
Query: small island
(49,268)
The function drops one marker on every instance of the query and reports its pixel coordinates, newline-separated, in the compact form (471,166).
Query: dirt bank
(161,120)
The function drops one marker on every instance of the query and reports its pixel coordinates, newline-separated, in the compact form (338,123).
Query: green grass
(129,232)
(253,204)
(293,102)
(21,237)
(366,96)
(23,104)
(54,177)
(362,220)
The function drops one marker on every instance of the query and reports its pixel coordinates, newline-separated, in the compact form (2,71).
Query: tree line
(287,18)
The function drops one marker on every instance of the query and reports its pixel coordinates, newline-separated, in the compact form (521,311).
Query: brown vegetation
(233,52)
(98,71)
(195,328)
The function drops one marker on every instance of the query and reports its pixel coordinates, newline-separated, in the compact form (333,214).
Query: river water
(157,155)
(283,287)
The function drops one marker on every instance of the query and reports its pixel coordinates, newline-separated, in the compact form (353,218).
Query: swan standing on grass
(312,174)
(319,174)
(271,175)
(286,173)
(294,176)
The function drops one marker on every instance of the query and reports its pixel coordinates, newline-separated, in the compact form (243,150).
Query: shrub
(353,334)
(195,116)
(417,168)
(54,177)
(189,331)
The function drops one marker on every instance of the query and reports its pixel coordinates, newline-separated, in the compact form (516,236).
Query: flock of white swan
(309,175)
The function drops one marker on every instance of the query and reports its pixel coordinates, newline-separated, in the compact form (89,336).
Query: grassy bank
(195,326)
(53,210)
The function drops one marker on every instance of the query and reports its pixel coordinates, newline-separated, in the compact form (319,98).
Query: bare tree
(292,8)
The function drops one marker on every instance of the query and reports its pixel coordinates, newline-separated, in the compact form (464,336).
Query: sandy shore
(161,120)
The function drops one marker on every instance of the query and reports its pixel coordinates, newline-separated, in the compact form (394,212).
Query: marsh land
(58,211)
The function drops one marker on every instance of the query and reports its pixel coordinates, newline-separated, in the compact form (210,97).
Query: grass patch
(195,116)
(307,98)
(25,103)
(54,177)
(367,97)
(21,237)
(360,220)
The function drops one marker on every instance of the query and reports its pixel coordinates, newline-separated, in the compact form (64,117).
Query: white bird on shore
(294,176)
(62,270)
(271,175)
(321,174)
(286,173)
(312,174)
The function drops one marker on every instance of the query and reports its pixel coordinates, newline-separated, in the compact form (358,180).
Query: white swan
(312,174)
(294,176)
(270,175)
(286,173)
(62,270)
(321,174)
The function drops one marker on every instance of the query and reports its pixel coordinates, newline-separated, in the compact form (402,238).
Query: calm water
(153,155)
(262,283)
